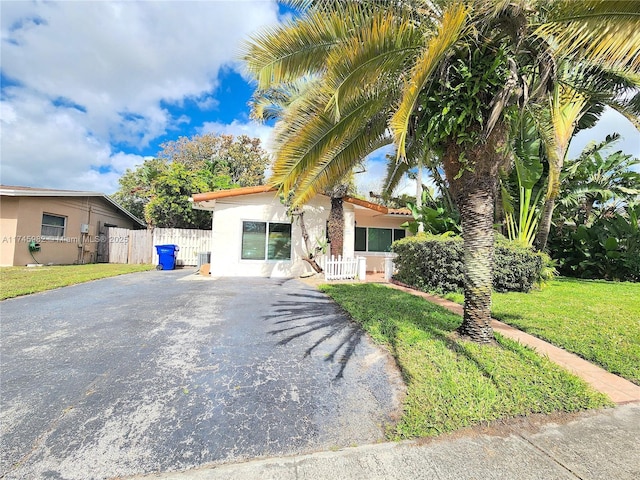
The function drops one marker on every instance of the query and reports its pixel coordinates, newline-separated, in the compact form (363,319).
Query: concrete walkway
(618,389)
(587,446)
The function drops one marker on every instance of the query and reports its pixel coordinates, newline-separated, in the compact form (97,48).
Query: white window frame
(266,240)
(53,237)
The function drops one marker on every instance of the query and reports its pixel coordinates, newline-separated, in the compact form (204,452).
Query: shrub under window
(434,263)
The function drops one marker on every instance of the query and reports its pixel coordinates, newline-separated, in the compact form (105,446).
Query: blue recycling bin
(167,256)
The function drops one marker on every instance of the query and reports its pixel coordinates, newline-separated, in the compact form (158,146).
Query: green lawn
(453,383)
(598,320)
(16,281)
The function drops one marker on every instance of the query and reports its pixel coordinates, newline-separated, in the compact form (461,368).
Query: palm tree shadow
(444,332)
(318,318)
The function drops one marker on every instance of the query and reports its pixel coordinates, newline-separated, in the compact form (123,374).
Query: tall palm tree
(446,72)
(577,101)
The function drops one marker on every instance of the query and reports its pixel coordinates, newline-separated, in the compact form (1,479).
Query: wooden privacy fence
(138,246)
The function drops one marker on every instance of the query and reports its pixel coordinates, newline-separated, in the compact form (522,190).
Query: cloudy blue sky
(91,88)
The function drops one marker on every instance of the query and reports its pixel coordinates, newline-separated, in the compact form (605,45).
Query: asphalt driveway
(160,371)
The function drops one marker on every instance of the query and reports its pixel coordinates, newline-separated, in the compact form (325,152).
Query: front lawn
(453,383)
(16,281)
(598,320)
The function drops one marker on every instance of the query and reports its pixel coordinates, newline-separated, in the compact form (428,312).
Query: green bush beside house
(435,263)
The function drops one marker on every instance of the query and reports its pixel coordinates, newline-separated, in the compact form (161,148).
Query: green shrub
(436,263)
(516,268)
(608,248)
(430,263)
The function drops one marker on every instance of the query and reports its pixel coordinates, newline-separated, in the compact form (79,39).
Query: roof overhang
(207,201)
(45,192)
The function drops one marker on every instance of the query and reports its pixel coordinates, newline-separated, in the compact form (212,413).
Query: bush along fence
(434,263)
(138,246)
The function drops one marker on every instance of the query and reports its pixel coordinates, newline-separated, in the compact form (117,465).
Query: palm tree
(578,99)
(446,72)
(598,184)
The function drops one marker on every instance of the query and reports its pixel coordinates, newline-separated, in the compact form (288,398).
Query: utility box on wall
(84,228)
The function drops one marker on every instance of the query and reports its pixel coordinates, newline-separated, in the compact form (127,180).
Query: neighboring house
(66,225)
(252,235)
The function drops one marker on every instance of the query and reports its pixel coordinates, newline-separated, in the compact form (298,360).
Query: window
(376,239)
(262,239)
(52,225)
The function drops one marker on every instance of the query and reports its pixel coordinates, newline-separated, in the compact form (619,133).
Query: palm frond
(297,48)
(601,31)
(450,29)
(566,106)
(308,134)
(396,170)
(628,111)
(342,160)
(380,49)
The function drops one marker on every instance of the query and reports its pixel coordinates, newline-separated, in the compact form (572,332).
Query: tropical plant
(159,189)
(595,184)
(443,73)
(608,249)
(522,223)
(578,99)
(168,205)
(596,232)
(433,216)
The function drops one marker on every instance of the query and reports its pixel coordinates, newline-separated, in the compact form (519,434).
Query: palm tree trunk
(545,224)
(419,193)
(336,226)
(473,185)
(476,213)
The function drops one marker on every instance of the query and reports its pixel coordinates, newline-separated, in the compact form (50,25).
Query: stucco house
(252,235)
(64,225)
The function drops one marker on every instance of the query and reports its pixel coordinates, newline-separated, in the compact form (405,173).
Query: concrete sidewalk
(590,445)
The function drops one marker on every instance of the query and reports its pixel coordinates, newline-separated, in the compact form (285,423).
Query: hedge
(435,263)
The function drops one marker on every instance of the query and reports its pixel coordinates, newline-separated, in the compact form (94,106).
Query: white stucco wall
(226,242)
(226,235)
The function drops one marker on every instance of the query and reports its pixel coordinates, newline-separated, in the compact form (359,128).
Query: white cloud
(91,79)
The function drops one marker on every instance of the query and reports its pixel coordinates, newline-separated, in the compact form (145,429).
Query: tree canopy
(159,189)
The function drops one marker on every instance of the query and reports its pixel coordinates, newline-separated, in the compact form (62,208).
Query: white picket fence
(138,246)
(340,268)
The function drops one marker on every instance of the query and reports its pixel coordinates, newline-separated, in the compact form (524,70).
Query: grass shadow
(439,323)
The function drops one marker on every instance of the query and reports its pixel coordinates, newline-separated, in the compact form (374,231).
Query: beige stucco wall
(226,234)
(8,225)
(370,218)
(74,247)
